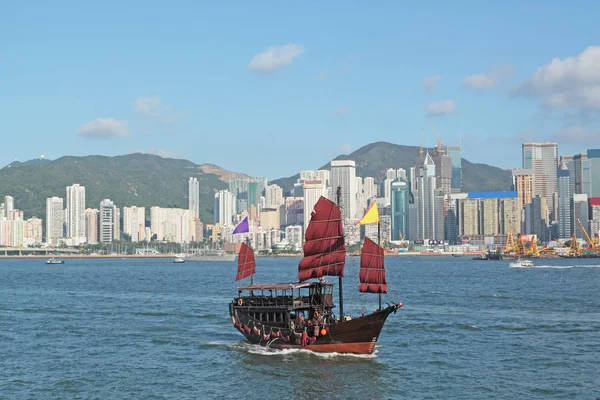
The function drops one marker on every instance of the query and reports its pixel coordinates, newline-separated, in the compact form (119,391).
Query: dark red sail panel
(324,248)
(246,263)
(372,270)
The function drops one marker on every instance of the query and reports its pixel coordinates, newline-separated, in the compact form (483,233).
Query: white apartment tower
(194,195)
(134,223)
(274,196)
(313,190)
(9,205)
(224,207)
(55,220)
(343,175)
(76,213)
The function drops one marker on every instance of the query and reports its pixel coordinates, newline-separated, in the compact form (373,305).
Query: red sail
(246,263)
(372,271)
(324,249)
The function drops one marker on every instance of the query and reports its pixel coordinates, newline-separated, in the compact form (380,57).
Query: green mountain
(133,179)
(375,158)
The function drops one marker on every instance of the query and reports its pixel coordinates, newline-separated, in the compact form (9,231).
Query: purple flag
(242,227)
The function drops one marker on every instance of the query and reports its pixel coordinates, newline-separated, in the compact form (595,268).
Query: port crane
(592,243)
(440,144)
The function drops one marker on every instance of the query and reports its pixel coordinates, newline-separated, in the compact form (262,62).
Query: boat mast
(341,293)
(379,244)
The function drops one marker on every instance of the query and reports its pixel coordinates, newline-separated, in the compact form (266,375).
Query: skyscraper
(443,171)
(593,156)
(91,225)
(9,205)
(239,188)
(194,195)
(343,175)
(55,220)
(313,190)
(522,183)
(565,199)
(224,207)
(107,217)
(76,213)
(542,158)
(580,213)
(426,198)
(456,157)
(399,209)
(274,196)
(583,174)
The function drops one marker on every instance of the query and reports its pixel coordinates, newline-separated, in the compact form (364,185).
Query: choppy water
(150,329)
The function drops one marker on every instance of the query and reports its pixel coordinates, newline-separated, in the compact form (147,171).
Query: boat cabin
(285,304)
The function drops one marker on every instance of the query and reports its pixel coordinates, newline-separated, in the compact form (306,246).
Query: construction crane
(574,250)
(590,241)
(533,248)
(422,140)
(440,144)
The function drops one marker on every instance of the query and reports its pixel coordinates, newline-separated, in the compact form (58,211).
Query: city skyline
(269,81)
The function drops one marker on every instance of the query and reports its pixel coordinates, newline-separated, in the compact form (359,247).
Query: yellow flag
(371,216)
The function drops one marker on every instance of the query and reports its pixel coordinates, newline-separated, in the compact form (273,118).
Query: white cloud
(489,80)
(105,128)
(444,107)
(151,107)
(430,83)
(576,134)
(148,106)
(573,82)
(275,57)
(345,149)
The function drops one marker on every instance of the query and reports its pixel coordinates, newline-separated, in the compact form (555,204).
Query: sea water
(151,329)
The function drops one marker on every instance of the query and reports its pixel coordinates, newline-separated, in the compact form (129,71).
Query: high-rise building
(427,221)
(239,188)
(274,196)
(313,190)
(594,216)
(76,214)
(399,209)
(293,236)
(456,157)
(537,216)
(343,175)
(593,156)
(489,214)
(510,215)
(522,183)
(443,171)
(580,214)
(369,188)
(194,195)
(91,225)
(583,174)
(134,223)
(55,220)
(225,207)
(9,205)
(542,158)
(565,204)
(107,217)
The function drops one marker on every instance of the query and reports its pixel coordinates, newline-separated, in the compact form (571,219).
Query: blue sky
(271,88)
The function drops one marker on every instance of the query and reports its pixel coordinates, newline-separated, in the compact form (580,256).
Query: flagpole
(379,244)
(341,289)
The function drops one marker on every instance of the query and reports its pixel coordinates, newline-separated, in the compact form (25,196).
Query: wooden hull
(356,336)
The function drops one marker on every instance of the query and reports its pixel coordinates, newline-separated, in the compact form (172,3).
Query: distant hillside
(134,179)
(375,158)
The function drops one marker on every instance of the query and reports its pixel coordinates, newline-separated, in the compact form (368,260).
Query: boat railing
(280,301)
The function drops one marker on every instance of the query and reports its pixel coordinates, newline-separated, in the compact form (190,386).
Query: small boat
(522,263)
(178,260)
(55,261)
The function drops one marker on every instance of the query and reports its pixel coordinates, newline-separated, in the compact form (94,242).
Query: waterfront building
(108,220)
(134,223)
(91,225)
(343,175)
(427,218)
(594,216)
(313,190)
(399,209)
(75,218)
(32,232)
(225,207)
(294,236)
(174,224)
(542,158)
(194,195)
(583,174)
(580,214)
(55,220)
(522,183)
(593,156)
(565,203)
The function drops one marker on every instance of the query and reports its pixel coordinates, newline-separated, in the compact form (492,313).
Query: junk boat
(300,315)
(55,261)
